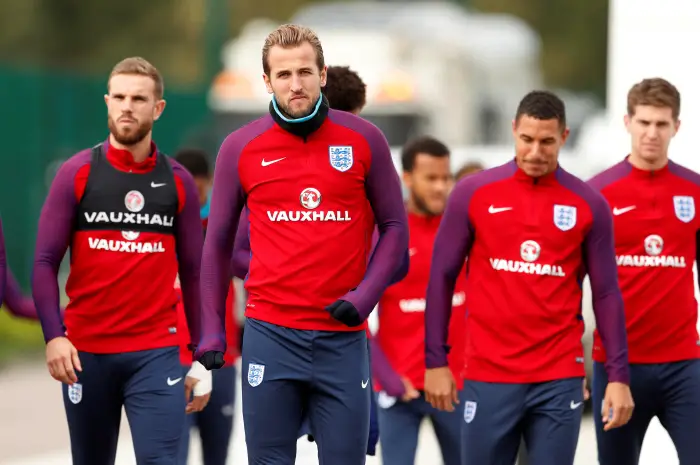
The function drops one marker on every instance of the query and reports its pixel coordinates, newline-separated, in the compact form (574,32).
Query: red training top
(401,334)
(656,236)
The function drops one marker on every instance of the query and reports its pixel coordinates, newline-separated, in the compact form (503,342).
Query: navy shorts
(149,384)
(497,415)
(289,373)
(669,391)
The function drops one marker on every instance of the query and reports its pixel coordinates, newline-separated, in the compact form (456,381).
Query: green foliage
(574,38)
(19,338)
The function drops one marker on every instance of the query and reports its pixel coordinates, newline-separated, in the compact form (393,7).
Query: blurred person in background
(398,348)
(310,285)
(654,206)
(214,423)
(345,91)
(468,168)
(531,230)
(130,216)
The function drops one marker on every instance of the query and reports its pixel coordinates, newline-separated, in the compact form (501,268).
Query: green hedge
(19,339)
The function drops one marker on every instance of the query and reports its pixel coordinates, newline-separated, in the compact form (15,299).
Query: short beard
(131,138)
(284,109)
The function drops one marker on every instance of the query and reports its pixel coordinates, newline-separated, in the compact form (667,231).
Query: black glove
(345,312)
(212,360)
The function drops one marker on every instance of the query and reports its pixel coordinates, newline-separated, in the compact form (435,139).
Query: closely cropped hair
(290,36)
(469,168)
(542,105)
(196,161)
(141,67)
(655,92)
(344,89)
(425,144)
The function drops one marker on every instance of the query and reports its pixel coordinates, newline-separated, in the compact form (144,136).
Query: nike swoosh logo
(575,405)
(268,163)
(493,209)
(173,382)
(153,184)
(620,211)
(365,383)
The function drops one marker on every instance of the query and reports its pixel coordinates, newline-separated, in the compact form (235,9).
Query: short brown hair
(141,67)
(344,89)
(469,168)
(290,36)
(655,92)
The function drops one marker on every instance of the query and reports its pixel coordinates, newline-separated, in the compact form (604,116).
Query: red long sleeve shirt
(131,228)
(530,242)
(657,229)
(401,334)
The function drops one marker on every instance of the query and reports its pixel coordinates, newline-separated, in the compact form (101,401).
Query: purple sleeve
(189,239)
(384,372)
(240,259)
(608,307)
(452,244)
(53,238)
(227,202)
(16,302)
(3,266)
(383,189)
(402,271)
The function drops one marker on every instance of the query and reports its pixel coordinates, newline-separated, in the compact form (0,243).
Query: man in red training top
(531,231)
(398,350)
(345,91)
(214,423)
(310,178)
(653,203)
(130,216)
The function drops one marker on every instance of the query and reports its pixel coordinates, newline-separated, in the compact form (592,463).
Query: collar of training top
(647,174)
(124,160)
(545,180)
(302,127)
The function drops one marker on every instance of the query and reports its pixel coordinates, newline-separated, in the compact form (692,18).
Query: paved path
(33,430)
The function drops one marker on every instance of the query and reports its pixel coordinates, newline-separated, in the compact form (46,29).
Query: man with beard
(312,180)
(345,91)
(130,215)
(398,352)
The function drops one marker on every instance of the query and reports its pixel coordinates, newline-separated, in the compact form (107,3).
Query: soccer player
(531,231)
(653,202)
(131,218)
(398,350)
(311,178)
(215,423)
(345,91)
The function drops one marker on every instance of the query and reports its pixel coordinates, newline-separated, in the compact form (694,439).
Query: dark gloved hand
(345,312)
(212,360)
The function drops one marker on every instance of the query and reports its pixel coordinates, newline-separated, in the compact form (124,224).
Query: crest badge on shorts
(564,217)
(75,393)
(469,411)
(255,374)
(340,157)
(684,206)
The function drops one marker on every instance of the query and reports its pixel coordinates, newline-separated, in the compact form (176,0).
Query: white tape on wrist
(198,371)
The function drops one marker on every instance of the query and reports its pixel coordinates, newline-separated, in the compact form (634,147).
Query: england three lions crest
(256,373)
(564,217)
(340,157)
(684,206)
